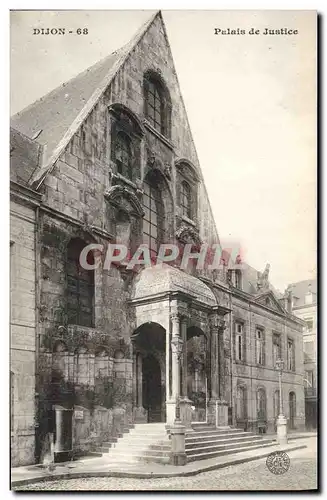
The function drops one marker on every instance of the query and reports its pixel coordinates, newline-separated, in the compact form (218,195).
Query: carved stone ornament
(167,171)
(217,323)
(187,234)
(151,158)
(119,195)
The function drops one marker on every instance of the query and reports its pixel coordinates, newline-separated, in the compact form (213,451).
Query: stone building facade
(264,330)
(305,307)
(114,162)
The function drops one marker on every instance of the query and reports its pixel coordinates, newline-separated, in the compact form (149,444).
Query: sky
(251,104)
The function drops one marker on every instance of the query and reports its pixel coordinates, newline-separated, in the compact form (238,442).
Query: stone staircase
(149,443)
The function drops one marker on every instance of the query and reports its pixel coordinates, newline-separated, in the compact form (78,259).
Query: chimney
(289,300)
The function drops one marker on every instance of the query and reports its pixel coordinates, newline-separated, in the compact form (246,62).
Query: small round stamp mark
(278,462)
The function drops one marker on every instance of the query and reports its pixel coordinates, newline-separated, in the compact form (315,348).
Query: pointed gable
(268,299)
(55,117)
(77,138)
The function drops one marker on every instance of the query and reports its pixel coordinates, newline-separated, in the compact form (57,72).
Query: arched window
(241,403)
(261,404)
(153,217)
(157,105)
(123,155)
(186,199)
(80,286)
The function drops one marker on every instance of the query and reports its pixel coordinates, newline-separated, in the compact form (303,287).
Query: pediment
(268,299)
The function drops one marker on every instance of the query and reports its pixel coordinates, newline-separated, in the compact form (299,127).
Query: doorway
(151,388)
(292,410)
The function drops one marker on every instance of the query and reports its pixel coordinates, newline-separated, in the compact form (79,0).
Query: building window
(80,286)
(259,347)
(261,404)
(157,104)
(239,342)
(123,155)
(277,349)
(308,379)
(241,411)
(309,324)
(186,199)
(153,217)
(276,404)
(309,350)
(290,355)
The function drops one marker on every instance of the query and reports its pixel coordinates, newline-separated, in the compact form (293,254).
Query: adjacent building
(109,158)
(304,305)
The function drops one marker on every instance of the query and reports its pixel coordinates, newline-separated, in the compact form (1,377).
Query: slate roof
(301,288)
(56,117)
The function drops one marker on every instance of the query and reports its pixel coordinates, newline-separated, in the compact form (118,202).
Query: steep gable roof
(57,116)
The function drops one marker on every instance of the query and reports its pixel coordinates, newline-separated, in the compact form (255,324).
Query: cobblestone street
(302,475)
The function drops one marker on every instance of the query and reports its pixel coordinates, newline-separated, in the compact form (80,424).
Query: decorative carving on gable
(262,280)
(167,171)
(124,199)
(188,234)
(150,158)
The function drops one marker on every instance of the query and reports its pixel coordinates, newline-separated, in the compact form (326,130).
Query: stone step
(215,432)
(201,443)
(195,438)
(226,446)
(213,454)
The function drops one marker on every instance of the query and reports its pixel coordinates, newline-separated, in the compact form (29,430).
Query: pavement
(247,476)
(98,467)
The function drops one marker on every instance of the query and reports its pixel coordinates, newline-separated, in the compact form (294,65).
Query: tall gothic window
(186,199)
(155,106)
(259,347)
(153,217)
(123,155)
(157,103)
(80,286)
(261,404)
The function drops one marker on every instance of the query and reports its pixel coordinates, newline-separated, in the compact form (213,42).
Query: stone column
(221,356)
(175,362)
(175,371)
(184,358)
(134,381)
(214,357)
(217,407)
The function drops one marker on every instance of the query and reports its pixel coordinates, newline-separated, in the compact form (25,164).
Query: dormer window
(235,278)
(238,279)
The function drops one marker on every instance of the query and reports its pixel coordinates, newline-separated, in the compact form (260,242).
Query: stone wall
(22,333)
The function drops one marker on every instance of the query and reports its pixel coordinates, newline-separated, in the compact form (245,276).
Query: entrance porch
(174,308)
